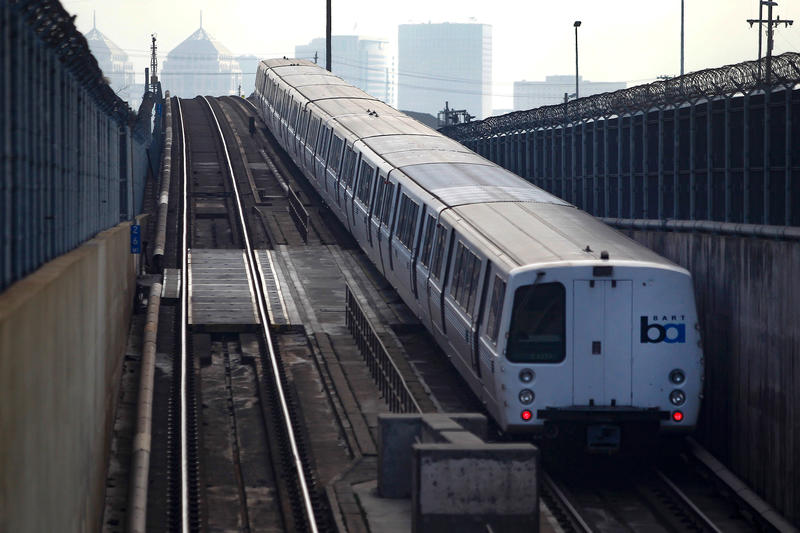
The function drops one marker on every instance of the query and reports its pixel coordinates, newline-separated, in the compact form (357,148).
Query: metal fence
(74,157)
(384,372)
(712,145)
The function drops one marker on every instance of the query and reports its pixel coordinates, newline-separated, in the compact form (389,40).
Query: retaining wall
(63,331)
(748,296)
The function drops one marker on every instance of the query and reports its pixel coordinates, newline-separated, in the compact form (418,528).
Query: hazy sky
(620,40)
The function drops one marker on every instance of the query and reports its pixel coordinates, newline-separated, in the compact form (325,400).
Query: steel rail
(184,319)
(697,514)
(574,516)
(251,264)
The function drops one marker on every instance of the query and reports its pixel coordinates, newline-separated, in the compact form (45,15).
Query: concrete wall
(63,331)
(748,295)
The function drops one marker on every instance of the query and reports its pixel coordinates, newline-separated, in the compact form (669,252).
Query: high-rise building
(531,94)
(445,62)
(201,65)
(116,66)
(363,62)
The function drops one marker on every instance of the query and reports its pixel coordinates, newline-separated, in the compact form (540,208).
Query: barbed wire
(730,79)
(56,28)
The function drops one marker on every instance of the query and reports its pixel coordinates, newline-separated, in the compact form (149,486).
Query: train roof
(504,211)
(560,233)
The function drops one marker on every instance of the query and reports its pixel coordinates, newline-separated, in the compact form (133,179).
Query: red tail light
(677,416)
(526,415)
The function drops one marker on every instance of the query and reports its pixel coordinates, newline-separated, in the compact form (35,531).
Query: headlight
(526,396)
(677,397)
(526,375)
(677,376)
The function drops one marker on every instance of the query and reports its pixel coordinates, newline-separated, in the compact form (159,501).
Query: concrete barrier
(747,297)
(63,331)
(455,479)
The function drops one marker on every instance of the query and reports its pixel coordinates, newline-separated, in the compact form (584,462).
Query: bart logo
(655,333)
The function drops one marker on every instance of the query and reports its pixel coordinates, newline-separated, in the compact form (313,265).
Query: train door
(441,253)
(374,231)
(423,265)
(384,234)
(320,156)
(602,334)
(492,307)
(361,205)
(461,291)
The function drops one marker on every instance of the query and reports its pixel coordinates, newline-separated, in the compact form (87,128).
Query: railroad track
(638,496)
(213,392)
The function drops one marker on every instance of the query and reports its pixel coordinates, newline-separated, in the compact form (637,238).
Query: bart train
(552,317)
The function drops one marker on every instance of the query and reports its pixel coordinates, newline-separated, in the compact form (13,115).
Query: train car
(553,318)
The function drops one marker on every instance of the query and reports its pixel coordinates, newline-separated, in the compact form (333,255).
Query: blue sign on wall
(136,239)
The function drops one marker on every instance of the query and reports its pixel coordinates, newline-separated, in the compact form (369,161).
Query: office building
(200,65)
(360,61)
(445,62)
(531,94)
(116,66)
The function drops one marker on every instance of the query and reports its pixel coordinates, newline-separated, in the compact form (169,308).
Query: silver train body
(551,316)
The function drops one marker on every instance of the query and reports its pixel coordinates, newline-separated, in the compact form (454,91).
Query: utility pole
(328,35)
(681,37)
(577,25)
(771,24)
(153,64)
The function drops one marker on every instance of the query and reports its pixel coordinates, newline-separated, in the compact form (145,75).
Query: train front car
(603,352)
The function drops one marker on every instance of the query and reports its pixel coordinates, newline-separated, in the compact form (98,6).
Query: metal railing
(72,158)
(298,213)
(384,372)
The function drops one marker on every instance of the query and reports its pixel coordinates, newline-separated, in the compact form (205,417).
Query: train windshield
(538,324)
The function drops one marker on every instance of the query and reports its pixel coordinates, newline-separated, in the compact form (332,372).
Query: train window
(538,324)
(365,179)
(388,196)
(313,129)
(407,219)
(466,274)
(496,308)
(424,257)
(438,252)
(472,290)
(379,199)
(335,158)
(322,142)
(348,172)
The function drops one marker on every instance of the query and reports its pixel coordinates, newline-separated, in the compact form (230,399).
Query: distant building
(531,94)
(365,63)
(116,66)
(249,66)
(200,65)
(445,62)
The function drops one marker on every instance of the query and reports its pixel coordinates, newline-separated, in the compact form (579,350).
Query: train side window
(471,292)
(425,256)
(348,172)
(379,200)
(455,281)
(322,142)
(406,221)
(438,252)
(538,324)
(388,196)
(335,157)
(466,273)
(365,179)
(496,309)
(313,130)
